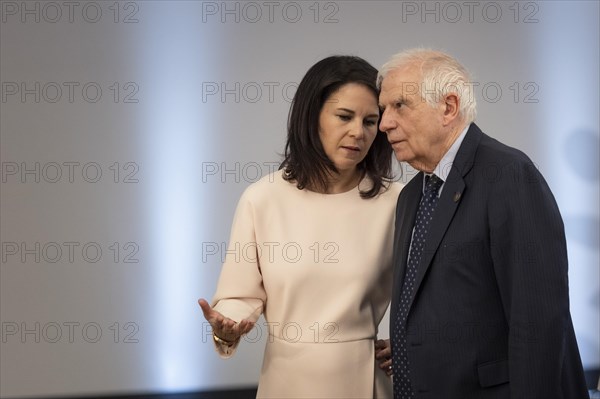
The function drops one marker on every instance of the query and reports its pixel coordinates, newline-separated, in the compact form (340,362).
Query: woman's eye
(345,117)
(370,122)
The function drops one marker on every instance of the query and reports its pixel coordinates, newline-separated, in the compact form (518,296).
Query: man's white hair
(441,74)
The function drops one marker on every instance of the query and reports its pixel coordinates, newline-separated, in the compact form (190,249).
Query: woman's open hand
(223,327)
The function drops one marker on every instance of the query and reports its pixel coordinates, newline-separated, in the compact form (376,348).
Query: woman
(311,246)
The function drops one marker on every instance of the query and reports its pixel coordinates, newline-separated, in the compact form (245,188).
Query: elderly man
(480,307)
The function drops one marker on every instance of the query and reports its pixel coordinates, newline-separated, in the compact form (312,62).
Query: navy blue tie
(402,384)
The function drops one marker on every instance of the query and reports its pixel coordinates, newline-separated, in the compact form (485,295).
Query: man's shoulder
(491,149)
(498,163)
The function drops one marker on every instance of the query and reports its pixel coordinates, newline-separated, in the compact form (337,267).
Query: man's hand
(383,353)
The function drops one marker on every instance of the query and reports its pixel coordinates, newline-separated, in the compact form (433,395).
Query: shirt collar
(442,170)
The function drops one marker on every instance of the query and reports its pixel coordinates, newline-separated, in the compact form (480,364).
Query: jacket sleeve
(529,254)
(240,292)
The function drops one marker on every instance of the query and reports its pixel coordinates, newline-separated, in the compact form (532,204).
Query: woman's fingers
(209,314)
(224,327)
(245,326)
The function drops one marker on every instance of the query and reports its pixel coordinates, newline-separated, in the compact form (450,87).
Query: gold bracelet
(221,341)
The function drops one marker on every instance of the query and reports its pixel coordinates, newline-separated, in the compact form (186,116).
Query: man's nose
(386,123)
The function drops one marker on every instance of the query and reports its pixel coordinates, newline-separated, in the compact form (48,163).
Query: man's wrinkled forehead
(400,85)
(405,81)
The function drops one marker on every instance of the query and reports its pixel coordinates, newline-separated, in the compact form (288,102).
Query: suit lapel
(452,193)
(405,217)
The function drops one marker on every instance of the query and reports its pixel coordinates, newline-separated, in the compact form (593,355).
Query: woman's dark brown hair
(305,161)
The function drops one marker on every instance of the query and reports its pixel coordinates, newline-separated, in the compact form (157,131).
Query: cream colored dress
(319,267)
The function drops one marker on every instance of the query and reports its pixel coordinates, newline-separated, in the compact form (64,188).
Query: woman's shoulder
(269,186)
(273,187)
(395,188)
(391,191)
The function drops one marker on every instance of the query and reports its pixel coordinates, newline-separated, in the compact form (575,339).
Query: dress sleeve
(240,292)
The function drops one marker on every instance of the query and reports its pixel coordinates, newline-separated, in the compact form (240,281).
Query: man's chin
(401,156)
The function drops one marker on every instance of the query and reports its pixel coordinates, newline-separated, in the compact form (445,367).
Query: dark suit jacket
(489,316)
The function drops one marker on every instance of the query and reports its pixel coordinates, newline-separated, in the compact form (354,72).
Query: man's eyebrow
(398,99)
(401,98)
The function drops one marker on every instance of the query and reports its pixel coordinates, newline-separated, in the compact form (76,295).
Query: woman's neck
(343,181)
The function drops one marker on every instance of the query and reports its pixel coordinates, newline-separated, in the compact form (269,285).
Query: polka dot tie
(402,384)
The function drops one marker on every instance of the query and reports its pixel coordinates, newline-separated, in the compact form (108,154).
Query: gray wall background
(129,129)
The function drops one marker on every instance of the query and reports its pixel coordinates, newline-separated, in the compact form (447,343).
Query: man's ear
(451,108)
